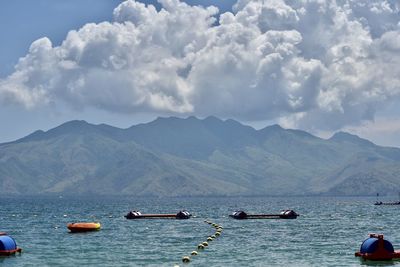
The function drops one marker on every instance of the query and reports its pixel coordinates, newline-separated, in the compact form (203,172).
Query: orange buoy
(83,227)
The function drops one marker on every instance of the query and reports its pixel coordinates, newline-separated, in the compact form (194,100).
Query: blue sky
(24,21)
(317,67)
(21,23)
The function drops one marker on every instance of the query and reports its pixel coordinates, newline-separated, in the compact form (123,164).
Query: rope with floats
(205,244)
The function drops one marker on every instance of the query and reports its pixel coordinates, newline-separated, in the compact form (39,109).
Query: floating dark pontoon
(183,214)
(285,214)
(378,203)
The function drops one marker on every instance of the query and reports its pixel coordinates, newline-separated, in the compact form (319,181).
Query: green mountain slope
(188,157)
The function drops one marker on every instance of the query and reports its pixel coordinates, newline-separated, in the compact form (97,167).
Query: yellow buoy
(217,234)
(200,246)
(194,252)
(186,259)
(83,227)
(213,236)
(209,239)
(205,244)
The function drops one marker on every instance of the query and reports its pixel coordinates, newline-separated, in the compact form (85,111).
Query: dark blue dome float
(285,214)
(183,214)
(8,246)
(377,248)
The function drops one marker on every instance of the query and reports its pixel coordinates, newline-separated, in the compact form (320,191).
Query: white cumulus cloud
(307,63)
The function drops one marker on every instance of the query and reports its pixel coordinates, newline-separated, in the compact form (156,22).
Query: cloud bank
(306,63)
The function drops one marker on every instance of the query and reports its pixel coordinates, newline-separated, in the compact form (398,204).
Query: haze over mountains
(194,157)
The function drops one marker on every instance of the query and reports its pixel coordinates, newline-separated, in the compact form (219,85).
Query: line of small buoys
(203,245)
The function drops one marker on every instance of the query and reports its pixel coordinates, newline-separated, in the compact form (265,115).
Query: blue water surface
(327,233)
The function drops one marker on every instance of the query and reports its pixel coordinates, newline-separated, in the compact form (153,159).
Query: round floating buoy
(200,246)
(217,234)
(205,244)
(288,214)
(186,259)
(370,245)
(213,236)
(377,248)
(194,253)
(8,246)
(133,214)
(240,215)
(183,214)
(209,239)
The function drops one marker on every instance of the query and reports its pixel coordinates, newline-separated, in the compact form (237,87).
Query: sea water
(327,233)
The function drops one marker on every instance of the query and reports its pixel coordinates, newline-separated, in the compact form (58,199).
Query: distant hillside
(194,157)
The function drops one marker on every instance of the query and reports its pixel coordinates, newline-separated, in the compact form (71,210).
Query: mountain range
(194,157)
